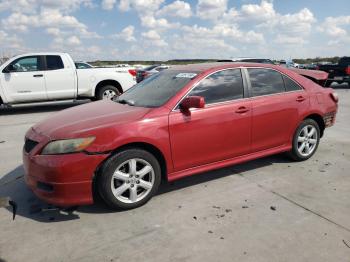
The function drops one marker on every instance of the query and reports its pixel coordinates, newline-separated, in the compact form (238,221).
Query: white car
(38,77)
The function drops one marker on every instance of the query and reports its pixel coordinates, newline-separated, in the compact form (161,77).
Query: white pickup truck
(36,77)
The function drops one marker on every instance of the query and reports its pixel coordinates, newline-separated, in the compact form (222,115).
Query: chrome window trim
(210,105)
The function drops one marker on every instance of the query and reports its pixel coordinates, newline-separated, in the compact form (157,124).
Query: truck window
(54,62)
(26,64)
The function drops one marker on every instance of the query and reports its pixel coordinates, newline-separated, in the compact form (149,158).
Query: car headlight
(67,146)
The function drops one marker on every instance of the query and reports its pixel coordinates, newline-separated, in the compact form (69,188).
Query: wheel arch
(319,120)
(108,82)
(158,154)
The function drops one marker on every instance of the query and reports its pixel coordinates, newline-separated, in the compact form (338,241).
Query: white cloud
(289,40)
(150,21)
(333,26)
(9,41)
(176,9)
(108,4)
(31,6)
(211,9)
(141,6)
(73,40)
(47,18)
(127,34)
(229,31)
(264,11)
(154,38)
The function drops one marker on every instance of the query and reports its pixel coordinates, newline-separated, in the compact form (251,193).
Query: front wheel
(129,179)
(305,140)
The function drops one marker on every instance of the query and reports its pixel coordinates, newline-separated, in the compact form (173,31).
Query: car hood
(85,119)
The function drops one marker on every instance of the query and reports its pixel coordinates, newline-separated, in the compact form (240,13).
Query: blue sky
(163,29)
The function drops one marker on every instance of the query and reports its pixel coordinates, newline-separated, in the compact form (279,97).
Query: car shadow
(29,206)
(40,108)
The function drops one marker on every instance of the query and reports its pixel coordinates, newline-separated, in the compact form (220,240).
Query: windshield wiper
(124,101)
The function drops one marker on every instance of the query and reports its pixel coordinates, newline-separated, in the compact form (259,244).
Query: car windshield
(157,89)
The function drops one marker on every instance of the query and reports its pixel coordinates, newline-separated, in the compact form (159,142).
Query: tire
(107,92)
(302,136)
(118,189)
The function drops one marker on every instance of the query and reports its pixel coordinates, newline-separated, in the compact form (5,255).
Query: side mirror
(192,102)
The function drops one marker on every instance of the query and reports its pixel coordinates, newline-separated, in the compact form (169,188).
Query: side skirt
(228,162)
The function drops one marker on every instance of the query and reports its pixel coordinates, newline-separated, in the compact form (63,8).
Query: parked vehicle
(38,77)
(182,121)
(251,60)
(141,74)
(339,73)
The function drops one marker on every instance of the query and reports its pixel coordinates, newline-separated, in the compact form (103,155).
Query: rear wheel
(305,140)
(129,179)
(108,92)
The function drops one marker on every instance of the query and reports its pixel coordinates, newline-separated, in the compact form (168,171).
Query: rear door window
(265,81)
(290,84)
(54,62)
(222,86)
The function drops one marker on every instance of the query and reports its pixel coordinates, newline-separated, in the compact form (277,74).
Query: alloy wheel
(133,180)
(307,140)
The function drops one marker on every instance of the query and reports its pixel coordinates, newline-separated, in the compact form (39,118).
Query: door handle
(242,110)
(300,98)
(40,75)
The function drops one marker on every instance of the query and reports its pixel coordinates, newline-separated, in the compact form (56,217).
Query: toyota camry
(182,121)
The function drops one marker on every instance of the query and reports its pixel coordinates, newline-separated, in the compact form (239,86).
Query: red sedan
(183,121)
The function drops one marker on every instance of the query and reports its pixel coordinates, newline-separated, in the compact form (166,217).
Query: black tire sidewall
(104,88)
(106,173)
(295,153)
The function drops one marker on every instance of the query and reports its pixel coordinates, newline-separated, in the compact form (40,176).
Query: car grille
(29,145)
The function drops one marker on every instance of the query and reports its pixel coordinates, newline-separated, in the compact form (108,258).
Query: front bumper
(61,180)
(64,180)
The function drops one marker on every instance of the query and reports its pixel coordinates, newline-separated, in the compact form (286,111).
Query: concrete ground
(270,209)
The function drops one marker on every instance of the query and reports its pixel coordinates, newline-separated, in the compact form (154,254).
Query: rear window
(54,62)
(290,84)
(265,81)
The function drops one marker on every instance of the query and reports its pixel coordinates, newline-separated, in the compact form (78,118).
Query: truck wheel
(108,92)
(129,179)
(305,140)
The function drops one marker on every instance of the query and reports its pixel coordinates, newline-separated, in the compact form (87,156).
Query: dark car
(339,73)
(148,71)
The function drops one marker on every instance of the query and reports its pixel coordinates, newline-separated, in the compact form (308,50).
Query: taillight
(132,72)
(334,97)
(347,70)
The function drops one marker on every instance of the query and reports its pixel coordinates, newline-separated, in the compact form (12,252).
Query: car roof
(202,67)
